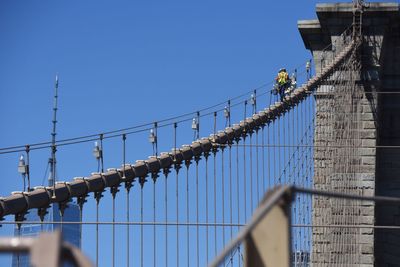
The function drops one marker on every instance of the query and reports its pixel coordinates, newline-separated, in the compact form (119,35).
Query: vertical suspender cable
(263,156)
(302,213)
(142,180)
(80,201)
(177,167)
(154,220)
(27,149)
(237,193)
(269,155)
(229,114)
(257,172)
(312,173)
(114,191)
(166,215)
(198,124)
(299,174)
(257,165)
(223,196)
(102,154)
(128,186)
(244,165)
(304,168)
(207,235)
(293,174)
(215,201)
(153,139)
(290,146)
(300,168)
(284,149)
(279,149)
(303,203)
(19,235)
(177,217)
(300,150)
(230,196)
(251,174)
(166,171)
(311,130)
(197,212)
(244,178)
(97,196)
(293,141)
(215,149)
(197,158)
(274,147)
(187,213)
(296,166)
(154,177)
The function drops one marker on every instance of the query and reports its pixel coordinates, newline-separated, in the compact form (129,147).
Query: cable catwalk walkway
(187,221)
(41,198)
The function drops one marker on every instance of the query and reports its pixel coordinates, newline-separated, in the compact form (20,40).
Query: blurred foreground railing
(46,250)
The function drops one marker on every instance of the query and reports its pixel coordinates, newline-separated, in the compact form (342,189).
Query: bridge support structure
(366,163)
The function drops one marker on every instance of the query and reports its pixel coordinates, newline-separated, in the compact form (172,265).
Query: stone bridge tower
(378,162)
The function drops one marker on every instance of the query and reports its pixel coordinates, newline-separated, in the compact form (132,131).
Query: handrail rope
(304,91)
(94,137)
(89,138)
(128,130)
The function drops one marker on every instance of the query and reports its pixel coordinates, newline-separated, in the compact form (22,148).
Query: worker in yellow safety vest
(283,81)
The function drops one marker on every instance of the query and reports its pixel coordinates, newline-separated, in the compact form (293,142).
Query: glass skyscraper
(70,232)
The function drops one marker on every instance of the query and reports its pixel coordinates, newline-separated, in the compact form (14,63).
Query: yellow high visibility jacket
(282,77)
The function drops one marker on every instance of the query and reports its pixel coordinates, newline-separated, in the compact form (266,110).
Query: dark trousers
(282,89)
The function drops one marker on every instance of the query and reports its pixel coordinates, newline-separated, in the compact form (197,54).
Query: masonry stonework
(375,118)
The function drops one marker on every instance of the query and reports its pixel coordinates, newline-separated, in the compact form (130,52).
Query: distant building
(70,232)
(301,259)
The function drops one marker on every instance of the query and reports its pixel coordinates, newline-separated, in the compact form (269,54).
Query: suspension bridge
(199,203)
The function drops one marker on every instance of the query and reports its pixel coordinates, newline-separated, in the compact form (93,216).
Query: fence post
(268,244)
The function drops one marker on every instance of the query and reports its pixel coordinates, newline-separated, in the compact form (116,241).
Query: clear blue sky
(122,63)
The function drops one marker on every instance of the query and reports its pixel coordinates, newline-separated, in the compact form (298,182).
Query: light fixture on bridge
(308,69)
(97,151)
(226,112)
(22,168)
(253,100)
(195,124)
(152,137)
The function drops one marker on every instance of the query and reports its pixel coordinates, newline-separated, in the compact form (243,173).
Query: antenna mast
(52,160)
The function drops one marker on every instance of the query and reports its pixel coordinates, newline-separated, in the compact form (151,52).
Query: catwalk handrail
(41,197)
